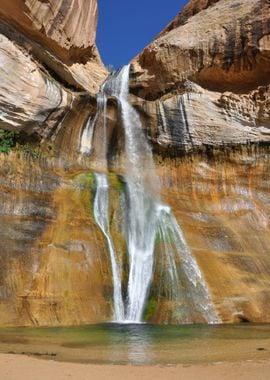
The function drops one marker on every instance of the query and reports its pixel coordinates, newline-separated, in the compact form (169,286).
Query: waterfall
(86,140)
(101,203)
(101,213)
(170,231)
(142,208)
(146,217)
(87,136)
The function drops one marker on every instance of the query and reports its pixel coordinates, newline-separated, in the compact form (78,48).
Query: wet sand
(19,367)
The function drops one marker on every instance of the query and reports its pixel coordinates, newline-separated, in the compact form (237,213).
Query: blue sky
(125,27)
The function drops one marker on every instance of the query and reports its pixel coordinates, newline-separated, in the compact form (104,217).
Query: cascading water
(146,218)
(170,232)
(142,208)
(88,132)
(101,203)
(101,213)
(87,136)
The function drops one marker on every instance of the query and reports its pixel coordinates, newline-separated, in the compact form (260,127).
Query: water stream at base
(146,218)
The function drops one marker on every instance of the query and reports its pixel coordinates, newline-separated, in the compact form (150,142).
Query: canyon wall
(47,58)
(221,201)
(202,91)
(55,264)
(50,72)
(207,76)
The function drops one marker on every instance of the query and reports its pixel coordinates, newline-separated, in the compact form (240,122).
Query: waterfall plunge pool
(141,344)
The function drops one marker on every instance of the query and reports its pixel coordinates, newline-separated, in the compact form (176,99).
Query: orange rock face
(51,249)
(55,267)
(222,204)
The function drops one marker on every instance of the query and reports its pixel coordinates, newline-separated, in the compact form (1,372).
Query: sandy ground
(18,367)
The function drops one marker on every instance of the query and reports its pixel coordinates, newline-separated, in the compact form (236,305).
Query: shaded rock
(67,28)
(224,48)
(205,78)
(201,117)
(29,100)
(63,33)
(47,56)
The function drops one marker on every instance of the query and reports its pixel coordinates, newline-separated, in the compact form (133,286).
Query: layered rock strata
(47,56)
(221,201)
(55,266)
(29,100)
(207,75)
(66,27)
(224,47)
(199,118)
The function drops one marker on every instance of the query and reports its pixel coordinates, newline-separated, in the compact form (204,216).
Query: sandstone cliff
(54,262)
(47,56)
(206,76)
(68,28)
(202,90)
(193,7)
